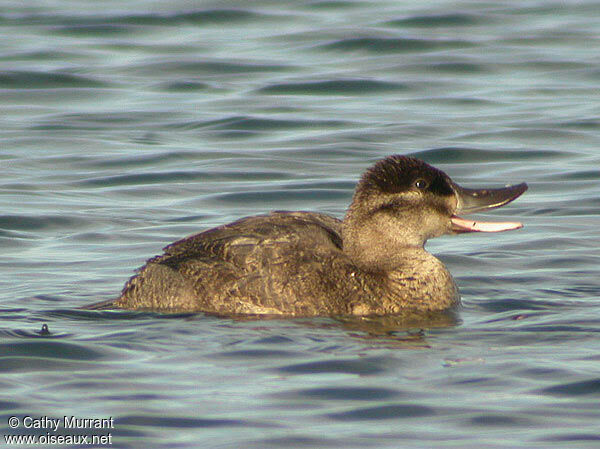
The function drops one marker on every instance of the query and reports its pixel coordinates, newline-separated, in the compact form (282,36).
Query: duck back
(288,263)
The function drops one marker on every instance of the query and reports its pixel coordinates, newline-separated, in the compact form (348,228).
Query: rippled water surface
(127,126)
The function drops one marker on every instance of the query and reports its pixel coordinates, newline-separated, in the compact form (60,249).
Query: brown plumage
(306,264)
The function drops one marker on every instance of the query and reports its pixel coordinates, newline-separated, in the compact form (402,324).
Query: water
(126,128)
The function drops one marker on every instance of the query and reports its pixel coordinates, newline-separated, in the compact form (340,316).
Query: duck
(373,262)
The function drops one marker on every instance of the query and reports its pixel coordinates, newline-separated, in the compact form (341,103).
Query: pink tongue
(461,225)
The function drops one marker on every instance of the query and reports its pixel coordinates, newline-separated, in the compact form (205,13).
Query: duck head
(402,202)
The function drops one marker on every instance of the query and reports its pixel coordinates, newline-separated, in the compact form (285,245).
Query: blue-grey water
(126,125)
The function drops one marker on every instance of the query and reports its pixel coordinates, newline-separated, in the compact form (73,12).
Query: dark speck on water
(127,128)
(44,330)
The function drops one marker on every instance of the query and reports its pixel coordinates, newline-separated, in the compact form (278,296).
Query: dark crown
(396,174)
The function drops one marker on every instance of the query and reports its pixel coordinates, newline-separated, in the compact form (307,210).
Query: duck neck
(375,243)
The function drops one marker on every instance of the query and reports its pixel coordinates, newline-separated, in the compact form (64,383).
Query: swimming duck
(372,262)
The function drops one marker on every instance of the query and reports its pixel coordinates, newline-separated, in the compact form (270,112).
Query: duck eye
(421,184)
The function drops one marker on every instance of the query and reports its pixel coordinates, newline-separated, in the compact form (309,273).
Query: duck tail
(102,305)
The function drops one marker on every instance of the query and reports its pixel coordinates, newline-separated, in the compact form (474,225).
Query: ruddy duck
(372,262)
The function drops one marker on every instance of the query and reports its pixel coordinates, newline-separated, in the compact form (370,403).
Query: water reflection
(406,330)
